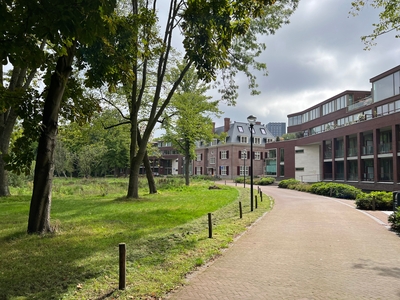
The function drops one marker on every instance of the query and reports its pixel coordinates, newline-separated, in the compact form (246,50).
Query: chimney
(213,129)
(227,123)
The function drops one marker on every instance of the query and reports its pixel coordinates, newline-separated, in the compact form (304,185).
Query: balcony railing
(385,148)
(339,153)
(386,177)
(364,102)
(368,150)
(368,177)
(352,176)
(352,152)
(339,176)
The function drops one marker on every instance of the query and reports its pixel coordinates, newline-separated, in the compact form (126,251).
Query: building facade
(230,158)
(353,137)
(277,128)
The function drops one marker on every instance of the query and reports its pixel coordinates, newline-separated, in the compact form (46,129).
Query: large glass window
(383,88)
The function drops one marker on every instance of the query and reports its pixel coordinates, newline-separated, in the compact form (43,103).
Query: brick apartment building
(352,137)
(231,158)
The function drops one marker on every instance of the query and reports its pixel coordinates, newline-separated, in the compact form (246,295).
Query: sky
(317,56)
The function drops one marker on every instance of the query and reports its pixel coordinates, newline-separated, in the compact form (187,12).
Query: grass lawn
(166,237)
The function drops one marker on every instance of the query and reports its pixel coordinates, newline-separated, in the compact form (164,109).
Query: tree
(389,18)
(218,36)
(81,22)
(190,120)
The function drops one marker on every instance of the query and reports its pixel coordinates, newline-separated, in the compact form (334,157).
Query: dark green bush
(287,182)
(265,181)
(336,190)
(383,200)
(394,219)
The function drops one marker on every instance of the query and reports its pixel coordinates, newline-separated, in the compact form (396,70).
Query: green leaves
(389,19)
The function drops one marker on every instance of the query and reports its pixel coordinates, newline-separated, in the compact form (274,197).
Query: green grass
(166,237)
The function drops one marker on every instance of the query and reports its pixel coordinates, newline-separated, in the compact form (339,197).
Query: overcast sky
(318,55)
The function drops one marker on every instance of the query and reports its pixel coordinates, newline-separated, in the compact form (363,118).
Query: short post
(256,202)
(240,209)
(122,266)
(209,226)
(261,197)
(373,203)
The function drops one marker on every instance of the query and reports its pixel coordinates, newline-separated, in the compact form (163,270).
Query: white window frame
(242,168)
(243,139)
(198,170)
(223,154)
(257,140)
(198,157)
(212,160)
(223,170)
(257,155)
(244,155)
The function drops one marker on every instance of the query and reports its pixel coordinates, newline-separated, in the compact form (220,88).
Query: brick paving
(307,247)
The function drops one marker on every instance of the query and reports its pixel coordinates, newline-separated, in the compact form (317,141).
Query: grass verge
(166,237)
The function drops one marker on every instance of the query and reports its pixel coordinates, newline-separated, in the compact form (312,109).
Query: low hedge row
(381,200)
(257,181)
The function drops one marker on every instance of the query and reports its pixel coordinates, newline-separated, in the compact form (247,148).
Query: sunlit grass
(166,236)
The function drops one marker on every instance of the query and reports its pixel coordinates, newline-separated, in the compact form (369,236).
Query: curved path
(307,247)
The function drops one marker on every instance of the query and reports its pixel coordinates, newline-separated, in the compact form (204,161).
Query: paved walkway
(307,247)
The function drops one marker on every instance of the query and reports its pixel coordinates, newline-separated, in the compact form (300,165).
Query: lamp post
(252,120)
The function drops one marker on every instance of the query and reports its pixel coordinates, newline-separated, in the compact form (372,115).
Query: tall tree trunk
(8,120)
(39,214)
(149,174)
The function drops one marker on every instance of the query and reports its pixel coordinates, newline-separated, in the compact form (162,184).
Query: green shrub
(383,200)
(264,181)
(336,190)
(288,182)
(394,219)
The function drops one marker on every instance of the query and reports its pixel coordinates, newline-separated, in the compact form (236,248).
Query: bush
(336,190)
(383,200)
(264,181)
(284,184)
(394,219)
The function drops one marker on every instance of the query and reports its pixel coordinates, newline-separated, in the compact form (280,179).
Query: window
(300,151)
(198,170)
(199,157)
(224,170)
(243,154)
(383,88)
(263,131)
(168,144)
(212,160)
(257,140)
(243,139)
(299,169)
(224,154)
(240,129)
(214,142)
(257,155)
(244,171)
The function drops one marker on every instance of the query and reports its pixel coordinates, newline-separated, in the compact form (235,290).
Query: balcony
(352,152)
(386,177)
(367,150)
(339,153)
(368,177)
(385,148)
(328,154)
(339,176)
(352,177)
(364,102)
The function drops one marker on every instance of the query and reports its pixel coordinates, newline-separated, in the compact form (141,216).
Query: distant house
(352,137)
(230,158)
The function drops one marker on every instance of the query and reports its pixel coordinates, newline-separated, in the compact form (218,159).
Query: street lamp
(252,120)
